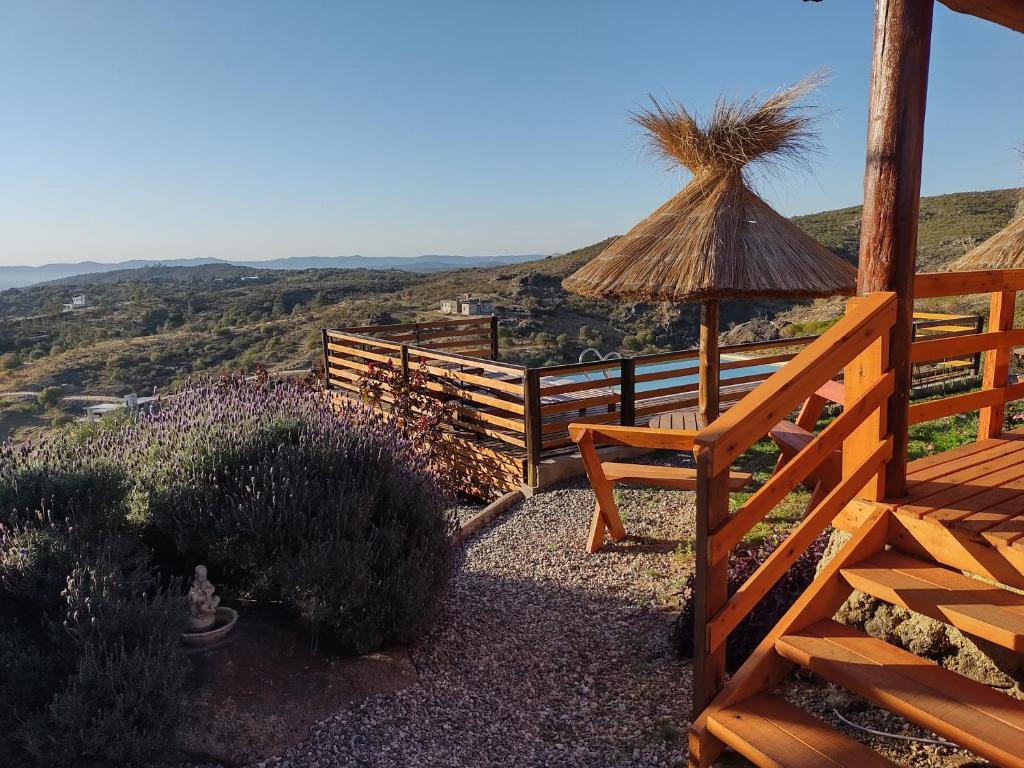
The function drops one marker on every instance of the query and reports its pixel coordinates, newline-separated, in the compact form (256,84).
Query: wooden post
(860,374)
(531,425)
(709,361)
(627,392)
(979,326)
(711,588)
(494,338)
(997,363)
(327,365)
(403,356)
(892,191)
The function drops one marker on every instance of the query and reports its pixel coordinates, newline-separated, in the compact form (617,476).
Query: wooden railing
(628,391)
(856,346)
(513,418)
(996,345)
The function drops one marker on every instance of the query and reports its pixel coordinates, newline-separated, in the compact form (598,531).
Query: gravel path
(546,656)
(543,655)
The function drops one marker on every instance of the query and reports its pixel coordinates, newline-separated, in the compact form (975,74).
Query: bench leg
(606,516)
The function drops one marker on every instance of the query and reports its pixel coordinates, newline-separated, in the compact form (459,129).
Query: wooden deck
(964,508)
(977,488)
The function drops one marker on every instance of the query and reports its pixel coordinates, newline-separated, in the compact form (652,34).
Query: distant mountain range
(20,277)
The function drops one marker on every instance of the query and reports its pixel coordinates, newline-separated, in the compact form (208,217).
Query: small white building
(131,402)
(466,305)
(77,302)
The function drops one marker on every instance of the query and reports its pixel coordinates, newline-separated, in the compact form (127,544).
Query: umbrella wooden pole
(707,388)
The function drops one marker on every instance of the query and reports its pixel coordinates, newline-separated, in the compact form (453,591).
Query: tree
(279,307)
(50,396)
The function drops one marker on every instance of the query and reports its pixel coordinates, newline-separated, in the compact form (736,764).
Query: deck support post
(711,588)
(997,363)
(627,392)
(707,394)
(532,425)
(858,376)
(403,357)
(892,192)
(327,362)
(494,338)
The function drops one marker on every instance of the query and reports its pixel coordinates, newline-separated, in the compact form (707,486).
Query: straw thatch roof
(717,238)
(1004,250)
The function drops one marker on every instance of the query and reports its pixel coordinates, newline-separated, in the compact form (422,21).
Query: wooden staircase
(769,731)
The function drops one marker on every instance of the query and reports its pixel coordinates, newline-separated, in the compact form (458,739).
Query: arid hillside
(153,327)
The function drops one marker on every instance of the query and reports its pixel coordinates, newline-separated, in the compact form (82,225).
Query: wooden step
(666,477)
(983,720)
(972,606)
(770,731)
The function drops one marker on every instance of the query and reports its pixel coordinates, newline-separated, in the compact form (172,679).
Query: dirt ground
(262,689)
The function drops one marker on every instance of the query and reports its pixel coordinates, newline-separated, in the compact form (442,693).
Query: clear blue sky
(256,129)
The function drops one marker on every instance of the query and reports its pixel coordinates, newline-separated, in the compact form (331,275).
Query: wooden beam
(892,191)
(1008,13)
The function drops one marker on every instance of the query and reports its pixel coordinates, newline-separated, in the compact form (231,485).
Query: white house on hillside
(77,302)
(466,305)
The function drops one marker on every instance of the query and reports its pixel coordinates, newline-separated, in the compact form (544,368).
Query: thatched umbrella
(1004,250)
(716,239)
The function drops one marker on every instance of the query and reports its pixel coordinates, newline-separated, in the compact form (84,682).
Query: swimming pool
(669,365)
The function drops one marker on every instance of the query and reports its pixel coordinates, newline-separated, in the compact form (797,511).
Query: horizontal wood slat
(929,285)
(958,346)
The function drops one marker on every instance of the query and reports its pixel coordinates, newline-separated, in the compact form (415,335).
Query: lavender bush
(335,513)
(766,614)
(90,665)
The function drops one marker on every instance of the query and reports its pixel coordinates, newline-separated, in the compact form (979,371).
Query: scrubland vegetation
(336,518)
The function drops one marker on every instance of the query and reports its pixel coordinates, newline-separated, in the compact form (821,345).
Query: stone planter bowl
(224,622)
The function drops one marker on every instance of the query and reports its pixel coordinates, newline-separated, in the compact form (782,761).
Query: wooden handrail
(748,421)
(930,285)
(856,343)
(799,539)
(795,471)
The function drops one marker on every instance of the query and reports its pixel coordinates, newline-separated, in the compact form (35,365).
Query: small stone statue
(202,604)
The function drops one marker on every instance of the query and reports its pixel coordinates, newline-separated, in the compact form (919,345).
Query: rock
(926,637)
(751,331)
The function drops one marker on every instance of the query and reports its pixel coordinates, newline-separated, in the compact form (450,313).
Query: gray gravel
(543,655)
(546,656)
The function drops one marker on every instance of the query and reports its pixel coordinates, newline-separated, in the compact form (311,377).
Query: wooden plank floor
(977,488)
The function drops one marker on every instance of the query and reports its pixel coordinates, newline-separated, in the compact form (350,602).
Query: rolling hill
(154,326)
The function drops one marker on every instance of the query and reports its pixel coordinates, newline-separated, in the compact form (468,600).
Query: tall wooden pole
(892,191)
(707,384)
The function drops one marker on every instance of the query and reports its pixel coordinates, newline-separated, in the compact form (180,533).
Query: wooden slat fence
(509,419)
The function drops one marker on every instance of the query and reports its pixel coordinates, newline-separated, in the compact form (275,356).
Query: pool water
(647,386)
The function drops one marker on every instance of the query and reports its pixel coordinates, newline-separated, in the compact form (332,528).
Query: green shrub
(49,396)
(90,665)
(744,561)
(335,515)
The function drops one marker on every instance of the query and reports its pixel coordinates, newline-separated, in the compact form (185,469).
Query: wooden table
(689,419)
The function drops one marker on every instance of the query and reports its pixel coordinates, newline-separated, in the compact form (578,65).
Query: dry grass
(716,238)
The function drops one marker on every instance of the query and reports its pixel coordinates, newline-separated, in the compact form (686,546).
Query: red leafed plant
(424,414)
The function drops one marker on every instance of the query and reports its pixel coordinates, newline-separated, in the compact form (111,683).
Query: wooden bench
(604,475)
(791,438)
